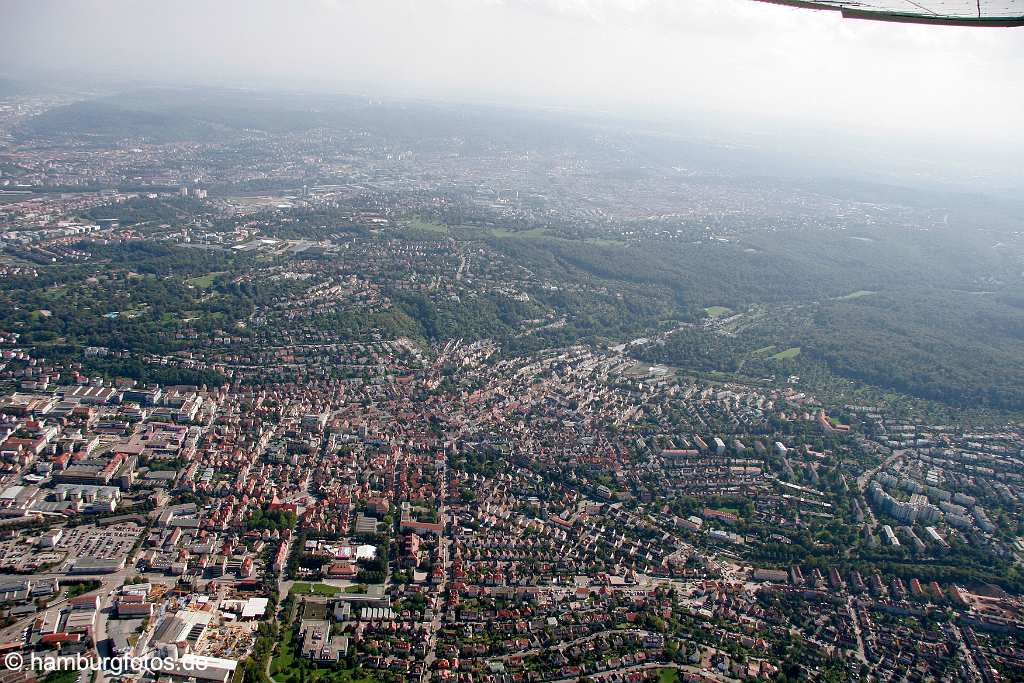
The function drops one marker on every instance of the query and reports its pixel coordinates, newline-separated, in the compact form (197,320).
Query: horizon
(742,63)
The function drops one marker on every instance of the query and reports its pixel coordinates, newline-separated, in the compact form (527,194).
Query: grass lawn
(357,676)
(64,676)
(791,352)
(668,676)
(475,232)
(717,311)
(505,232)
(204,281)
(55,292)
(604,242)
(303,588)
(284,655)
(285,666)
(80,588)
(429,226)
(644,369)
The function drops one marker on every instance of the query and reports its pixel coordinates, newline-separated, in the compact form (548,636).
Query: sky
(739,60)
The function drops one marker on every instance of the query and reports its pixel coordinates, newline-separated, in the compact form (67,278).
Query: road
(862,483)
(966,652)
(861,655)
(439,595)
(567,644)
(867,475)
(704,673)
(108,582)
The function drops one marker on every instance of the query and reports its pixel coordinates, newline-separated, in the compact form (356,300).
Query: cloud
(747,60)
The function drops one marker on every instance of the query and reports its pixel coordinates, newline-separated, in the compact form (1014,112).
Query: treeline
(273,520)
(139,299)
(695,349)
(487,315)
(147,373)
(144,210)
(963,349)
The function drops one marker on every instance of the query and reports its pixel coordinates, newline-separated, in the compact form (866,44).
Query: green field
(55,292)
(80,588)
(287,666)
(284,655)
(65,676)
(717,311)
(505,232)
(603,242)
(204,281)
(787,354)
(429,226)
(303,588)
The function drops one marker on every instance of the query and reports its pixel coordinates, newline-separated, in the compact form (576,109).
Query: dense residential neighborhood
(548,517)
(291,394)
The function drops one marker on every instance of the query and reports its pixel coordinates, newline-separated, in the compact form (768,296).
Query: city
(300,387)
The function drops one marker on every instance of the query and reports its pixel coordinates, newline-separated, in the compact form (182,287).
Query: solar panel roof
(954,12)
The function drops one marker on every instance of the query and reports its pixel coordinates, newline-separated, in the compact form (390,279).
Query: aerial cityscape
(307,387)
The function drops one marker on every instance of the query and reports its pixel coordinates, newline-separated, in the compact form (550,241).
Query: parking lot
(17,555)
(106,543)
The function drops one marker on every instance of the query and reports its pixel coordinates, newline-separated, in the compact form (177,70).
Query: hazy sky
(651,57)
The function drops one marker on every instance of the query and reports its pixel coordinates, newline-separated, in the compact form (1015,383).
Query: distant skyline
(750,63)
